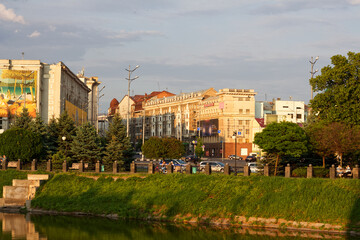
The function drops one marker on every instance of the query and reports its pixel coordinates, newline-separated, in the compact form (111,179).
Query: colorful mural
(17,90)
(209,127)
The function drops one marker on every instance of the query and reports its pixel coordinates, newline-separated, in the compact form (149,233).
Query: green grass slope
(297,199)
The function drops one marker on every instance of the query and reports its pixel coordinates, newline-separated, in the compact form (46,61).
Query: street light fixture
(312,72)
(234,137)
(64,138)
(129,81)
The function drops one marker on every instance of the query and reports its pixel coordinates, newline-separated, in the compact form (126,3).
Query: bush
(318,172)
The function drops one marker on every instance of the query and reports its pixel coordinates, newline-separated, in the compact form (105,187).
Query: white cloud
(134,35)
(8,15)
(34,34)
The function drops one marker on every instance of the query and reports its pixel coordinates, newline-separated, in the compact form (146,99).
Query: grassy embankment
(168,196)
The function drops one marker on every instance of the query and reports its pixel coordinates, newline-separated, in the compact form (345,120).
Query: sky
(184,46)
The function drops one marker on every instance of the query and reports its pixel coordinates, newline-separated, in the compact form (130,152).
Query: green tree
(52,143)
(24,120)
(38,126)
(282,139)
(19,143)
(65,128)
(199,151)
(153,148)
(173,148)
(338,87)
(118,147)
(86,144)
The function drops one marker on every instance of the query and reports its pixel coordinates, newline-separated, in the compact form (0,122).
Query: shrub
(318,172)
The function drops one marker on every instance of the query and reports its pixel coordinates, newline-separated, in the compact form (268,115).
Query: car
(255,167)
(191,158)
(215,166)
(250,158)
(175,162)
(233,157)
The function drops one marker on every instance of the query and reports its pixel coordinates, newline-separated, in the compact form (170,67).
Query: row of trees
(333,128)
(62,140)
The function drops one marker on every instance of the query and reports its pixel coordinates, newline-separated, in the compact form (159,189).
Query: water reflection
(36,227)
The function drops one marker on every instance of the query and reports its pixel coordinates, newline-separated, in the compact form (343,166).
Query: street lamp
(234,137)
(98,106)
(129,81)
(312,72)
(64,138)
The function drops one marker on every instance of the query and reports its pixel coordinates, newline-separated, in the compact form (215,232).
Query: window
(247,111)
(285,106)
(240,122)
(240,111)
(298,116)
(298,107)
(247,122)
(247,131)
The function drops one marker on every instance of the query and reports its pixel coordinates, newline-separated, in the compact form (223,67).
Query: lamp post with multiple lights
(312,72)
(128,109)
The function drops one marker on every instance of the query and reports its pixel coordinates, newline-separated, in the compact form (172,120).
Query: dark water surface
(33,227)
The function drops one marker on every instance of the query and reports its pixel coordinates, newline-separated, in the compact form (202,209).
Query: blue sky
(184,46)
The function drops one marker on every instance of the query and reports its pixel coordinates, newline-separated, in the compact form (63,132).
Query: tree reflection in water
(18,226)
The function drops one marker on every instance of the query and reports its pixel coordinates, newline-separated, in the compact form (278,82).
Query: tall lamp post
(64,139)
(98,106)
(234,137)
(128,109)
(312,72)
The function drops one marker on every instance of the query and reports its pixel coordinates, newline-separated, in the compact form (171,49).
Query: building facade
(216,116)
(46,89)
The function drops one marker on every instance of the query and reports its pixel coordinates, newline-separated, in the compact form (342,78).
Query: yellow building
(213,115)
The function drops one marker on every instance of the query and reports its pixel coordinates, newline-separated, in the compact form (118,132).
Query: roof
(261,122)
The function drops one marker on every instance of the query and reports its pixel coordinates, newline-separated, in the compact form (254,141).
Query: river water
(42,227)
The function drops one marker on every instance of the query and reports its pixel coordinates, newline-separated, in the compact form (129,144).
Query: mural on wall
(17,90)
(209,127)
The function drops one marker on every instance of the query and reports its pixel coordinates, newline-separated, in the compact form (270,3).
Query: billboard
(17,90)
(76,113)
(209,127)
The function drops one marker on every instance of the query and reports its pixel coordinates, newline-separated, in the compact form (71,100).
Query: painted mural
(17,90)
(77,114)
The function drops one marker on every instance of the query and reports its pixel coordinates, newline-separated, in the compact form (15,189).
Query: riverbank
(276,202)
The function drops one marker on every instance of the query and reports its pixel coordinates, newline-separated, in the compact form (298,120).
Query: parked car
(215,166)
(255,167)
(250,158)
(176,163)
(191,158)
(232,157)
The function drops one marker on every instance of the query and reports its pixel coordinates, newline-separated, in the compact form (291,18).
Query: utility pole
(128,108)
(312,72)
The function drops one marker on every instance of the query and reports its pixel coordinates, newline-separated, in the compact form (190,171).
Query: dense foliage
(282,139)
(163,148)
(200,195)
(338,87)
(19,143)
(199,150)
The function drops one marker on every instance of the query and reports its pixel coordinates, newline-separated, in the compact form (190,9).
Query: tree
(338,99)
(199,151)
(153,148)
(341,139)
(86,144)
(38,126)
(65,128)
(173,148)
(118,147)
(19,143)
(282,139)
(52,143)
(318,139)
(163,148)
(24,120)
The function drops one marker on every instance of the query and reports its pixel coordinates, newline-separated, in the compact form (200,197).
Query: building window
(240,111)
(240,122)
(298,107)
(247,122)
(298,116)
(285,106)
(248,111)
(247,131)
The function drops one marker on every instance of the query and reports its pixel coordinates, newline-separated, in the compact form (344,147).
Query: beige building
(213,115)
(47,89)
